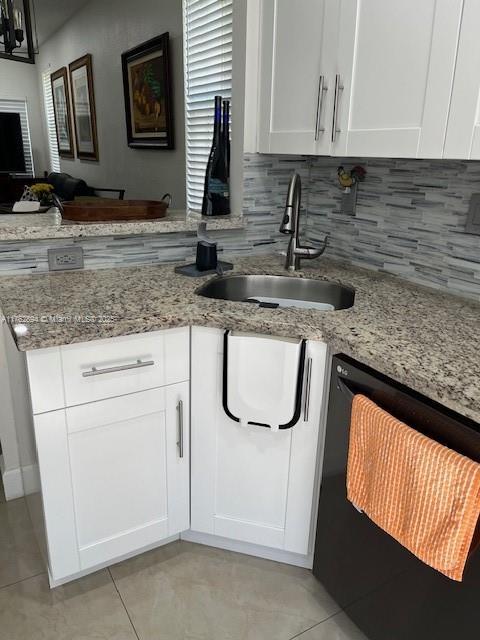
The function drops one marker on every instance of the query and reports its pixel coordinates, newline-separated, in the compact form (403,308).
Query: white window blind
(50,122)
(20,106)
(208,72)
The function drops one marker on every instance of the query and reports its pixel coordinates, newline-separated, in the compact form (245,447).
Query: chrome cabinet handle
(124,367)
(322,89)
(180,428)
(306,397)
(338,89)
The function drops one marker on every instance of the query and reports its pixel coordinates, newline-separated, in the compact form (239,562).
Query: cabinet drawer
(107,368)
(94,371)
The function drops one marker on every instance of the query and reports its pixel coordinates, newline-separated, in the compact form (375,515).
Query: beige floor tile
(87,609)
(340,627)
(186,591)
(19,554)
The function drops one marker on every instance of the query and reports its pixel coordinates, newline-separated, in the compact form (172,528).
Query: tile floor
(181,591)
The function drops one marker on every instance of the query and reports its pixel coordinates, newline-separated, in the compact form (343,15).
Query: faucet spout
(290,225)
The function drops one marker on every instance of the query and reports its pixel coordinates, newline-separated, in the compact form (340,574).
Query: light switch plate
(473,218)
(65,258)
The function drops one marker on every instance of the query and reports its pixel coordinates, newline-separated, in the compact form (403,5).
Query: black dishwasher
(385,590)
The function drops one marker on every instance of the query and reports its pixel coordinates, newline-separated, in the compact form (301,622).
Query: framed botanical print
(61,107)
(147,89)
(83,101)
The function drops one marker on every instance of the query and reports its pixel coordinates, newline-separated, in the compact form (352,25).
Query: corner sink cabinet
(111,428)
(251,483)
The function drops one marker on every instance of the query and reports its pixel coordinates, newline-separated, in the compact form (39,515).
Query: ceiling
(52,14)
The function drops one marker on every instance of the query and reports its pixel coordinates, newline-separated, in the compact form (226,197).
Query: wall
(10,458)
(410,216)
(106,29)
(19,81)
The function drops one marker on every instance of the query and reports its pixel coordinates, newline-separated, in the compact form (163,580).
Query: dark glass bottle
(216,195)
(226,133)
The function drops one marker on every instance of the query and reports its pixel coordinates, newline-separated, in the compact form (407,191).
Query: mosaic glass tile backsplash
(409,221)
(410,215)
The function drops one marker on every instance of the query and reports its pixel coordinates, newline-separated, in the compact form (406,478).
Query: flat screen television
(12,157)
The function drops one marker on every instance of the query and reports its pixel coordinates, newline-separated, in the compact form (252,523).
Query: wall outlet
(473,218)
(65,258)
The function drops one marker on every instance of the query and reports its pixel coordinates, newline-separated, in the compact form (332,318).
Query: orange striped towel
(422,493)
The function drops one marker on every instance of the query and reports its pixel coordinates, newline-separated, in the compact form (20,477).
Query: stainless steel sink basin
(280,291)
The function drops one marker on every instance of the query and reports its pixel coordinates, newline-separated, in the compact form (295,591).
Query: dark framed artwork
(63,116)
(83,101)
(147,89)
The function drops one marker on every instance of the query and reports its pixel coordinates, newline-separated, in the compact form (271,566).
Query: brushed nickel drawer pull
(322,89)
(338,88)
(306,404)
(180,428)
(124,367)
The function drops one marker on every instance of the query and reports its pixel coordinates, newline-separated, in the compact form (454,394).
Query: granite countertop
(37,226)
(422,338)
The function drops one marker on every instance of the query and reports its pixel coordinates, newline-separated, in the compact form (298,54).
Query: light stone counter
(426,340)
(40,226)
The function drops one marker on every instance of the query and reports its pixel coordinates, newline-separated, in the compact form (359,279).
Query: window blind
(20,106)
(208,72)
(50,122)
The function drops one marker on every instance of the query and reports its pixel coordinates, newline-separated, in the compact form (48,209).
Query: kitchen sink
(280,291)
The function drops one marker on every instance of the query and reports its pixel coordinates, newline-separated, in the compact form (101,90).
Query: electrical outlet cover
(65,258)
(473,218)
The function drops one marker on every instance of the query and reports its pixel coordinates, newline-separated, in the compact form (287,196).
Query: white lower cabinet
(114,476)
(250,483)
(116,471)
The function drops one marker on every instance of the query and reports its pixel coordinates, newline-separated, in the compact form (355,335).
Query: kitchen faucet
(290,226)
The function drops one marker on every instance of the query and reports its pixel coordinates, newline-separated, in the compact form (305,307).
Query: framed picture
(61,107)
(83,101)
(148,105)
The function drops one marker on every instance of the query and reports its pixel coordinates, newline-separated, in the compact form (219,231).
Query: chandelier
(16,38)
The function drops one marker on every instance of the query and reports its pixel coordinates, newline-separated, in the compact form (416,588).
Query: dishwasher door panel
(387,592)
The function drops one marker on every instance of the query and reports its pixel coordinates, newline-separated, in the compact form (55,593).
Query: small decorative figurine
(349,178)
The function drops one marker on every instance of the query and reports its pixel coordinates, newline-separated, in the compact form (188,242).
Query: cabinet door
(251,484)
(296,92)
(395,68)
(463,131)
(117,474)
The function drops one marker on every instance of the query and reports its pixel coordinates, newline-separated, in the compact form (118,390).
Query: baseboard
(31,479)
(110,563)
(12,482)
(278,555)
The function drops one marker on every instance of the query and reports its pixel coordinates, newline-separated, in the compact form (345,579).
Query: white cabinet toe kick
(126,464)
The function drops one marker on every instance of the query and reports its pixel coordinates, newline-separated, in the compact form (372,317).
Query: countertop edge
(55,231)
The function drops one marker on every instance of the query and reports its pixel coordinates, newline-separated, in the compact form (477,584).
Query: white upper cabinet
(297,62)
(463,132)
(395,62)
(357,77)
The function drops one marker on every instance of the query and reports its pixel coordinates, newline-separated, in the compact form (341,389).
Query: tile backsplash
(410,215)
(409,221)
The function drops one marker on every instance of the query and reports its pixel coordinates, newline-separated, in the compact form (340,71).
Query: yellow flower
(41,188)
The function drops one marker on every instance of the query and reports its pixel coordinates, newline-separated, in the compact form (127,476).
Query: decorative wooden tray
(104,210)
